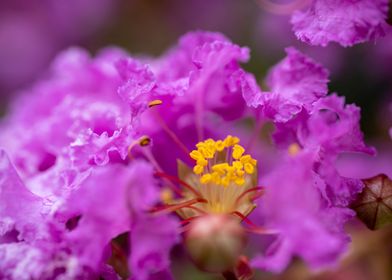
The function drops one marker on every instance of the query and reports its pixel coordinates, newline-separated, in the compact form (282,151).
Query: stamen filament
(255,189)
(254,228)
(186,221)
(170,133)
(257,195)
(177,180)
(142,142)
(175,207)
(150,157)
(197,209)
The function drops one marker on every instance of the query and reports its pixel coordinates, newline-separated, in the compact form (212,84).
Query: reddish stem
(175,207)
(196,209)
(254,228)
(249,191)
(186,221)
(178,180)
(169,132)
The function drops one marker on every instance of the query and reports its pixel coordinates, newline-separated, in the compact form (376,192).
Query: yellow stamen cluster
(222,162)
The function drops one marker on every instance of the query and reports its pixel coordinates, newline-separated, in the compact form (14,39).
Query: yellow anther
(212,149)
(237,165)
(246,158)
(220,145)
(144,141)
(200,145)
(240,181)
(238,151)
(207,152)
(230,169)
(209,141)
(198,169)
(212,170)
(154,103)
(249,168)
(220,167)
(202,161)
(294,149)
(206,178)
(196,155)
(231,141)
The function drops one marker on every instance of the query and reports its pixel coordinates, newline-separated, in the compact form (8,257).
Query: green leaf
(374,205)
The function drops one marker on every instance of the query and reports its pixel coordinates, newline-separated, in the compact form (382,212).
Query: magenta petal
(151,241)
(306,226)
(295,84)
(23,214)
(346,22)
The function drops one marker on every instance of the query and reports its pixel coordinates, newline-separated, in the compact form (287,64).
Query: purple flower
(82,118)
(69,140)
(312,130)
(330,129)
(331,119)
(151,248)
(22,215)
(199,81)
(295,84)
(346,22)
(200,74)
(95,146)
(298,78)
(76,229)
(307,227)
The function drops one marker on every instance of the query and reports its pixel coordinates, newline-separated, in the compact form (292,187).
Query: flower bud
(215,242)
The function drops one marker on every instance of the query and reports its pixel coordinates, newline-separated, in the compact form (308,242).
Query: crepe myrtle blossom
(77,127)
(347,22)
(315,130)
(87,180)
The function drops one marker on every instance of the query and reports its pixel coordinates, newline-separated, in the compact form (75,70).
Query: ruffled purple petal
(105,206)
(346,22)
(298,78)
(306,226)
(151,241)
(207,65)
(77,113)
(335,126)
(20,210)
(295,84)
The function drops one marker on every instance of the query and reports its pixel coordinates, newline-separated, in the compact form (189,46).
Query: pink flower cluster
(73,177)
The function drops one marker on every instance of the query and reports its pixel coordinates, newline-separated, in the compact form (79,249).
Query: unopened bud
(215,242)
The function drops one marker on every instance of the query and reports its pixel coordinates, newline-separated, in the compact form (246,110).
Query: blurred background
(32,32)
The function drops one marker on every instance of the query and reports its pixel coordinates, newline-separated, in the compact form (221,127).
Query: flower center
(222,162)
(222,181)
